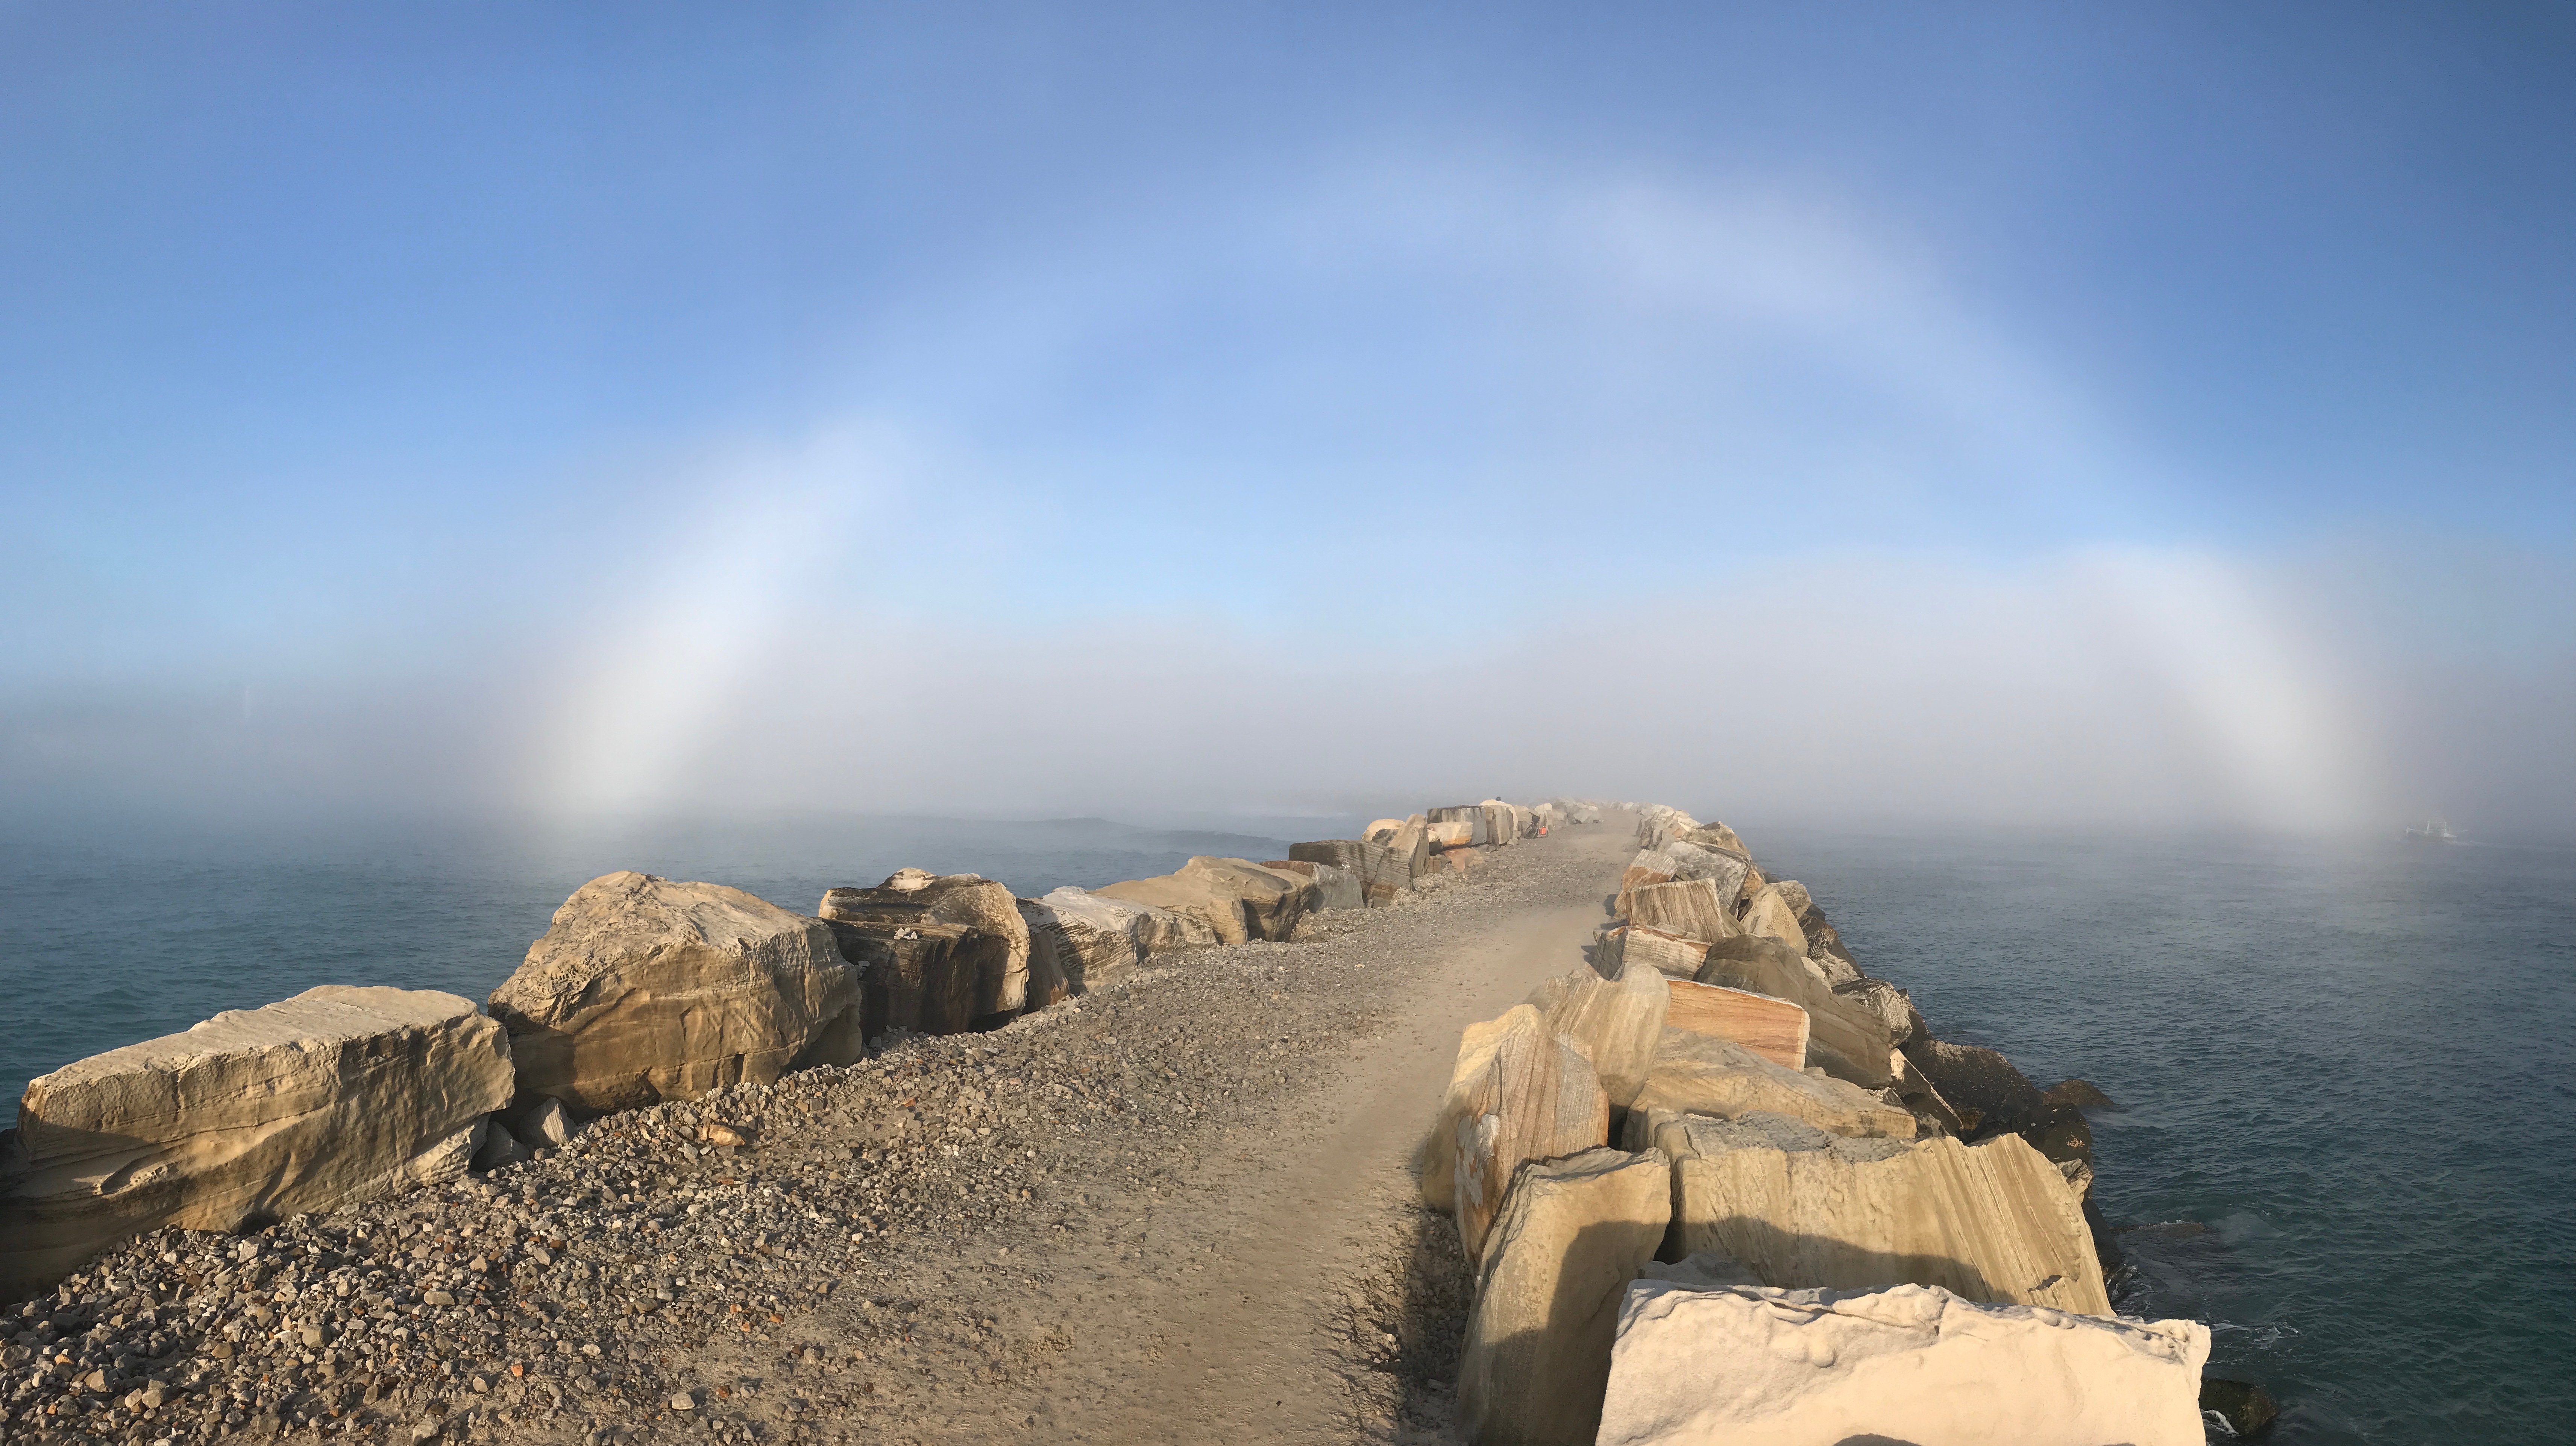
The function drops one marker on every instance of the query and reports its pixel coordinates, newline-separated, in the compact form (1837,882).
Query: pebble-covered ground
(916,1247)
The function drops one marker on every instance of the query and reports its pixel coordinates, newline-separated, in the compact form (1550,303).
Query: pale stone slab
(1690,908)
(1748,1366)
(1572,1234)
(1617,1023)
(1849,1041)
(1236,898)
(1768,914)
(1801,1207)
(647,989)
(338,1094)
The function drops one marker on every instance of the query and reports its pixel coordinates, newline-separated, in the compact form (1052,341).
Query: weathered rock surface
(1335,887)
(1447,834)
(1972,1077)
(1700,1074)
(1718,836)
(1381,872)
(940,952)
(1237,899)
(1617,1023)
(335,1095)
(1479,824)
(1749,1366)
(1917,1094)
(1774,1029)
(1891,1006)
(1572,1234)
(1687,907)
(1801,1207)
(648,989)
(1845,1040)
(1769,915)
(1668,954)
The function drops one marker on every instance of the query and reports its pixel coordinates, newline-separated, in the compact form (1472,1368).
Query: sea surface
(2347,1072)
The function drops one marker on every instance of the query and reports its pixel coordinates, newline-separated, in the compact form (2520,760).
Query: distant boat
(2436,829)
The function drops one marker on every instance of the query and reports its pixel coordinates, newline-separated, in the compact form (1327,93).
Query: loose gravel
(911,1248)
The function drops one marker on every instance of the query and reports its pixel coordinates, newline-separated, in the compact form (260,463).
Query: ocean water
(114,933)
(2348,1074)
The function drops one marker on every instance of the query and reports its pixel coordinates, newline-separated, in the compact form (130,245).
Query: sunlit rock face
(1750,1366)
(648,989)
(337,1094)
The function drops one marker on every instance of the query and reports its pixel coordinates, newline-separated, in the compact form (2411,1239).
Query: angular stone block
(1774,1029)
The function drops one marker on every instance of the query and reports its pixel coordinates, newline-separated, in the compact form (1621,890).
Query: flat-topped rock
(1749,1366)
(1702,1074)
(1336,887)
(341,1093)
(1848,1041)
(1690,908)
(1774,1029)
(1802,1207)
(648,989)
(1237,899)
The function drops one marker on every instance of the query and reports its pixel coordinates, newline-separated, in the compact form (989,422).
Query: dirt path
(1278,1283)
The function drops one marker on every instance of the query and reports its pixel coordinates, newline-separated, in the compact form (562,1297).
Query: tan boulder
(1719,836)
(1382,872)
(1517,1092)
(1799,1207)
(1845,1039)
(1335,887)
(1889,1005)
(1447,834)
(1769,916)
(1774,1029)
(647,989)
(1668,954)
(1617,1023)
(1382,830)
(1690,908)
(1236,898)
(942,952)
(338,1094)
(1701,1074)
(1572,1234)
(1910,1363)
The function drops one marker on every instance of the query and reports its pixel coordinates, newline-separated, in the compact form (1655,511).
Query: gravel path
(1173,1209)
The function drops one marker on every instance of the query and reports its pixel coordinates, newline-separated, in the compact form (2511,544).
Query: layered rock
(1760,1367)
(1448,834)
(1237,899)
(1617,1023)
(1889,1005)
(1846,1040)
(338,1094)
(1336,887)
(647,989)
(1690,908)
(941,952)
(1572,1234)
(1701,1074)
(1479,825)
(1773,1029)
(1668,954)
(1516,1092)
(1801,1207)
(1382,873)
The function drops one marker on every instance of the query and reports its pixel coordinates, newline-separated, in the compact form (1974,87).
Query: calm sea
(2349,1073)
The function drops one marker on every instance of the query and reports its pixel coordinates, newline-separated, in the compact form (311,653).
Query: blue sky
(619,406)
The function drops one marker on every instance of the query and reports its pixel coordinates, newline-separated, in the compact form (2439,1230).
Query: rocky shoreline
(577,1293)
(928,1241)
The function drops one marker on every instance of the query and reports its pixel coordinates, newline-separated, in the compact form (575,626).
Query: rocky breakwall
(337,1094)
(1726,1181)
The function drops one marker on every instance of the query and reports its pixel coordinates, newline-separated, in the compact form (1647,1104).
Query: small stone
(437,1297)
(426,1428)
(719,1133)
(683,1401)
(313,1336)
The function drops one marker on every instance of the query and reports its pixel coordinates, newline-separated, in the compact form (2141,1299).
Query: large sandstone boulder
(1722,868)
(1617,1023)
(1702,1074)
(1750,1366)
(1845,1040)
(1572,1234)
(1516,1092)
(1238,899)
(1690,908)
(1336,887)
(1412,844)
(1650,866)
(1801,1207)
(1718,836)
(1769,915)
(337,1094)
(1974,1078)
(1668,954)
(1774,1029)
(1479,825)
(941,952)
(648,989)
(1381,871)
(1102,938)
